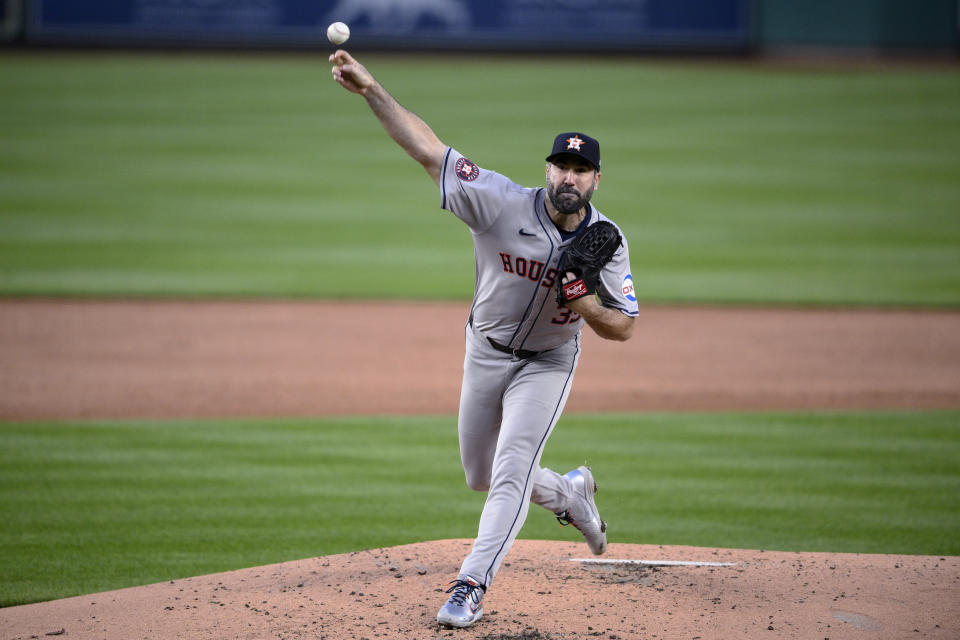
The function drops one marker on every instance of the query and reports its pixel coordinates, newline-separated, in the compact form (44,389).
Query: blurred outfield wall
(870,24)
(518,25)
(441,24)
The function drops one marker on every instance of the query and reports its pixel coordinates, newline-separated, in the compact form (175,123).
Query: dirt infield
(162,359)
(395,593)
(166,359)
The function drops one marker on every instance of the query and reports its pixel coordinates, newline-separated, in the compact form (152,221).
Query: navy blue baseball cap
(576,144)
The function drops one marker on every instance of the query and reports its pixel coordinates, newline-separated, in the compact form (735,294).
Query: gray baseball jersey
(517,248)
(510,402)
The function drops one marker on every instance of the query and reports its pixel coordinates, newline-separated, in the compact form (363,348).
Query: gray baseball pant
(508,408)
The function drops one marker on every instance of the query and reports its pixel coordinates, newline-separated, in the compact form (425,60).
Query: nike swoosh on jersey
(526,233)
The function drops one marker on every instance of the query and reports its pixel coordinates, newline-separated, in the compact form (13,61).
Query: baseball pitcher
(547,262)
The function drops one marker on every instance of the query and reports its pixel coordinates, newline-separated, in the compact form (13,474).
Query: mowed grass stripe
(91,506)
(202,175)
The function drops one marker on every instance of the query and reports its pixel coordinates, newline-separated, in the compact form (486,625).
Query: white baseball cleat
(583,513)
(463,608)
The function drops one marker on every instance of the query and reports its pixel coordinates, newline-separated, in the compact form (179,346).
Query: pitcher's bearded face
(568,199)
(571,182)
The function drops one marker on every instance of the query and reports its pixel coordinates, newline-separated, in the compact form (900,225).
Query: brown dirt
(395,593)
(163,359)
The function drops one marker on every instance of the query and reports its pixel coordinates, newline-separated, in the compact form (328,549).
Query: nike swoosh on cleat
(526,233)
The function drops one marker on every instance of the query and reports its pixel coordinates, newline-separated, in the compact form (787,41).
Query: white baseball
(337,33)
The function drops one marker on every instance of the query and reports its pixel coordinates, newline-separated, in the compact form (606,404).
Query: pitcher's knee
(478,482)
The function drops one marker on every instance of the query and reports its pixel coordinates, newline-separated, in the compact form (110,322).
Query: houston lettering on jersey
(529,268)
(523,267)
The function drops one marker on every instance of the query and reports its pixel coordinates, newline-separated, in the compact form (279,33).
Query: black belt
(521,354)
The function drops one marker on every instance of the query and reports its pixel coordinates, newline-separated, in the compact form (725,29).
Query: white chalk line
(654,563)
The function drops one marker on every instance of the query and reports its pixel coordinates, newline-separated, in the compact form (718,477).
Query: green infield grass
(189,175)
(92,506)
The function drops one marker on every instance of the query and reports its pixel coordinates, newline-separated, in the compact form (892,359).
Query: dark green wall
(883,24)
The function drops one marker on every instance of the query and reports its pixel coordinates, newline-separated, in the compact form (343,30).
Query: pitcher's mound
(545,590)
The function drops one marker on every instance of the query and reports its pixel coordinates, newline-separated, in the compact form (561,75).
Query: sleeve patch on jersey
(628,291)
(466,170)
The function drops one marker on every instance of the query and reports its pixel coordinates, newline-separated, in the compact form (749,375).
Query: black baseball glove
(585,258)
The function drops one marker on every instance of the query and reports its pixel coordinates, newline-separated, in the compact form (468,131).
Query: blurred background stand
(774,27)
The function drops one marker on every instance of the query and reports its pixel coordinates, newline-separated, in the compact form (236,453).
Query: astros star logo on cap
(574,143)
